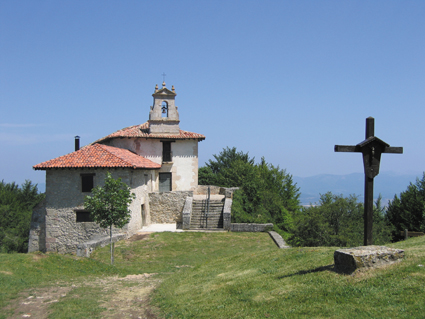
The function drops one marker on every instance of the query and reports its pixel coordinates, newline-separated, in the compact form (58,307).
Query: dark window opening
(87,183)
(164,107)
(83,216)
(165,182)
(166,152)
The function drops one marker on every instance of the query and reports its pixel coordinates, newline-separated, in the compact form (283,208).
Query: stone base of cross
(371,149)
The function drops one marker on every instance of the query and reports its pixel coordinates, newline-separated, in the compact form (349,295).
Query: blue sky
(286,80)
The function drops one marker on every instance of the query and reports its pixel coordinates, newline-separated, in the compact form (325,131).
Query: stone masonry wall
(37,236)
(54,226)
(167,207)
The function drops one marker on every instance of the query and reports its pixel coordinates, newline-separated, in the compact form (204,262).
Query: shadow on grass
(309,271)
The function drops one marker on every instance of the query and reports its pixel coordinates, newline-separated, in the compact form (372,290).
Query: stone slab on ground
(350,259)
(280,242)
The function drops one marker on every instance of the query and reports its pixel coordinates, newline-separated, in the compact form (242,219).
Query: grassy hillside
(211,275)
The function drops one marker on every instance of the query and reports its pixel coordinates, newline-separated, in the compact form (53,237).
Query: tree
(337,221)
(108,205)
(16,204)
(267,194)
(408,210)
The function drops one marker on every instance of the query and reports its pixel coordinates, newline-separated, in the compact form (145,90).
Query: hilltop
(209,275)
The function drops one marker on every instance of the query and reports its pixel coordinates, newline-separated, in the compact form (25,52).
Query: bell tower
(163,116)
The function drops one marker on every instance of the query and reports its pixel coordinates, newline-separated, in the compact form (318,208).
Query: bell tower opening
(164,107)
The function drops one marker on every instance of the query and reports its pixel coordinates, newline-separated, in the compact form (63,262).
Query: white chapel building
(157,159)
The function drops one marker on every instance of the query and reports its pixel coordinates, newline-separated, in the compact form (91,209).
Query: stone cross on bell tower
(163,116)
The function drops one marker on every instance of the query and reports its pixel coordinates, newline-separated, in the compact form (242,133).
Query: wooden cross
(371,148)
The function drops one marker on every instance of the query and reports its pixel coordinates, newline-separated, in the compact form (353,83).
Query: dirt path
(126,297)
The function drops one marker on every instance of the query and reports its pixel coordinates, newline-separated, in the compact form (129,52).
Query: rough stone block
(350,259)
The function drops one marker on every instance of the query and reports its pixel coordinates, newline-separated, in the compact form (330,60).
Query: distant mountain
(387,184)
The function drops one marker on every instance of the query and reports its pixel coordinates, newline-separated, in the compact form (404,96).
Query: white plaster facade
(183,166)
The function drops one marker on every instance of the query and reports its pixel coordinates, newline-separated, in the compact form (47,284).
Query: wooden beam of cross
(371,149)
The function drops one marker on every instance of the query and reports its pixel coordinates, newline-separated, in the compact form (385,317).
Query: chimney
(77,143)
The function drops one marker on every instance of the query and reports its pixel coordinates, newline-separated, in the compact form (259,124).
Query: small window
(83,216)
(166,152)
(87,182)
(165,182)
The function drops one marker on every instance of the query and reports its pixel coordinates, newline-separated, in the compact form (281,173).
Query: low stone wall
(167,207)
(85,249)
(279,241)
(245,227)
(215,190)
(203,190)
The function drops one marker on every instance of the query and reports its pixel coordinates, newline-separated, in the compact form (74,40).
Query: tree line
(268,194)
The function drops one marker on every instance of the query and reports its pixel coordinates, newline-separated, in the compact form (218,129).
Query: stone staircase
(203,220)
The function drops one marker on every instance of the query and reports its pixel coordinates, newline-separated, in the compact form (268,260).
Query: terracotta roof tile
(99,156)
(142,130)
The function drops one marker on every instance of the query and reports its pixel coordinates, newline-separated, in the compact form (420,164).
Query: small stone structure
(350,259)
(85,249)
(279,241)
(248,227)
(167,207)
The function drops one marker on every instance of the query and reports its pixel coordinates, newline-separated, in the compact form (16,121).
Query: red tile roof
(142,130)
(99,156)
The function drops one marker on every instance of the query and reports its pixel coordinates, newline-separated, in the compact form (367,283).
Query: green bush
(16,204)
(337,221)
(408,210)
(267,193)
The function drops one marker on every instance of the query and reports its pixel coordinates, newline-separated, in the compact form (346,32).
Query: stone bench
(350,259)
(85,249)
(408,234)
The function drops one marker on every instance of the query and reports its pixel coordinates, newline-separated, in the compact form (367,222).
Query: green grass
(227,275)
(82,302)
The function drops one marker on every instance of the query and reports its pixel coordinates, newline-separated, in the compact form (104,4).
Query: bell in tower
(163,116)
